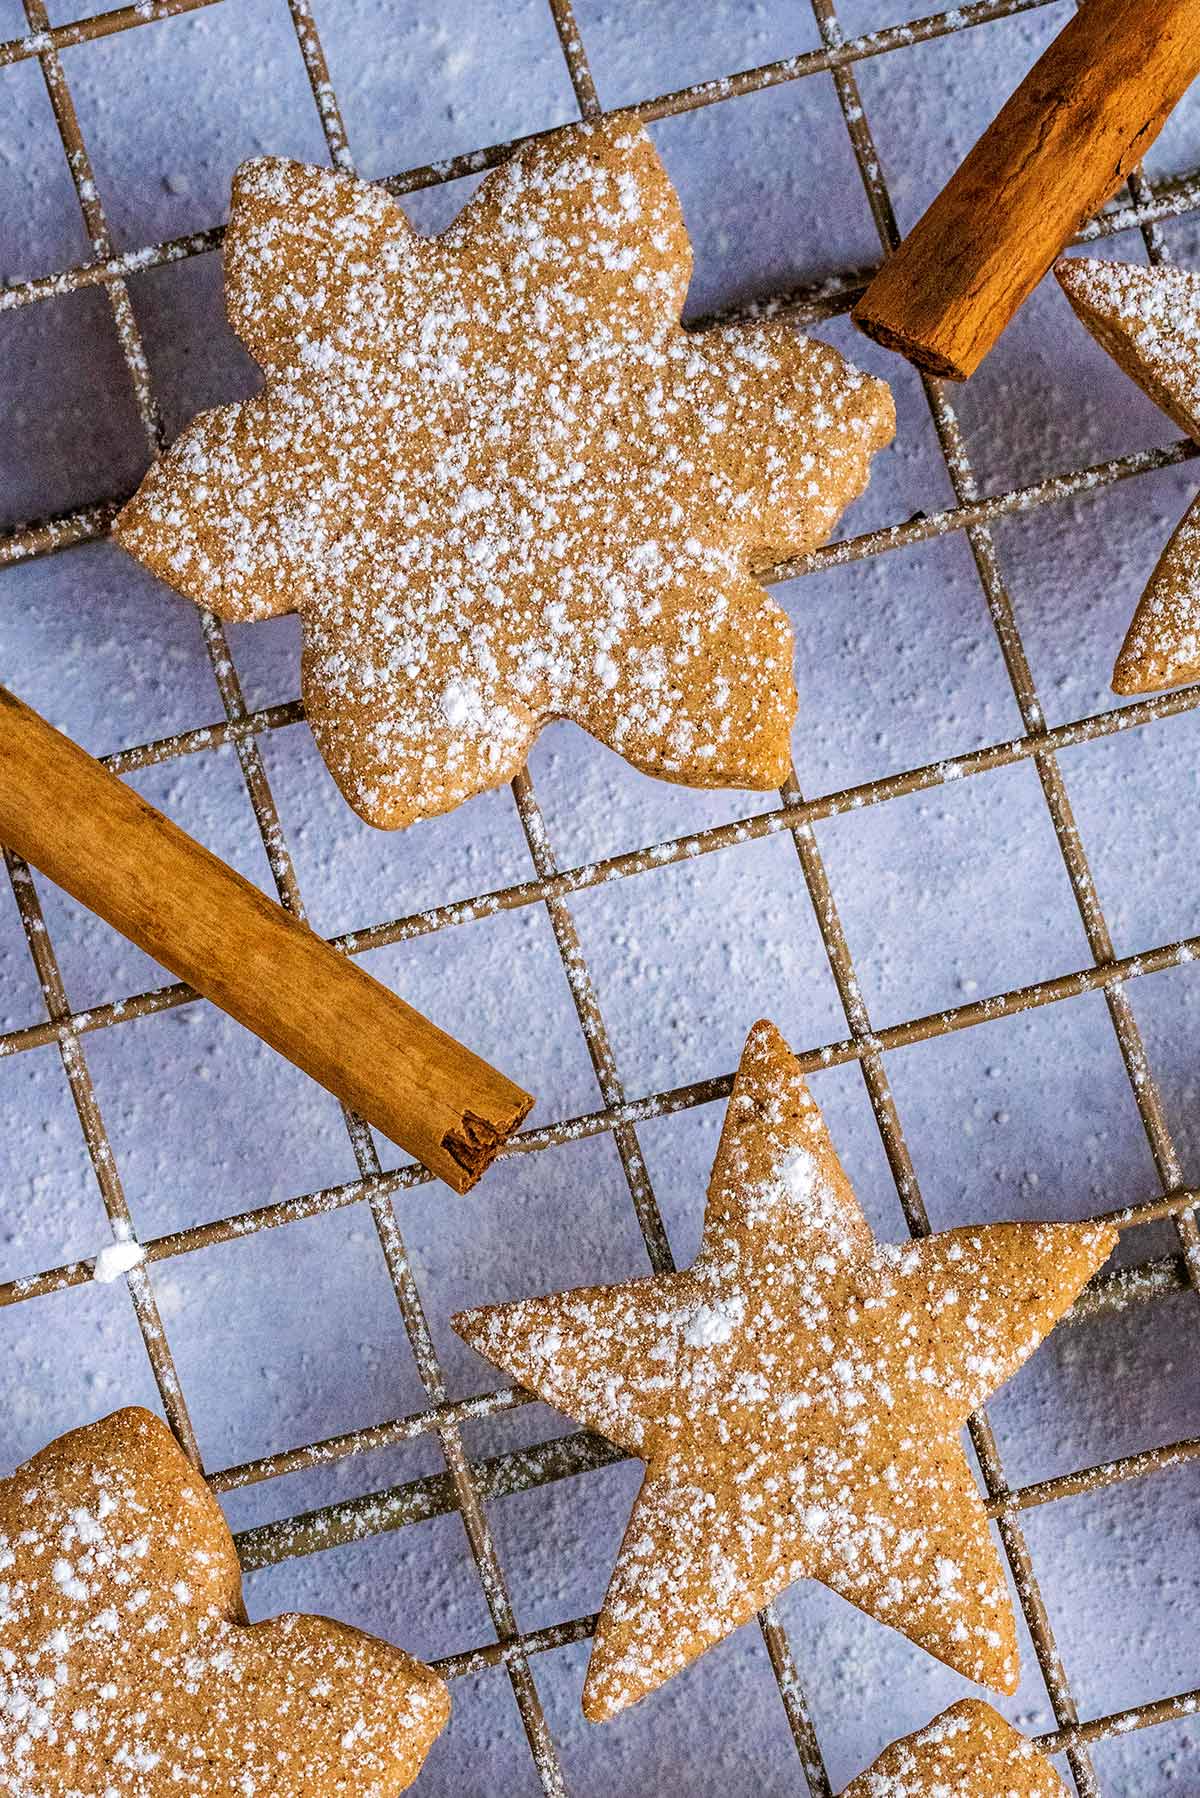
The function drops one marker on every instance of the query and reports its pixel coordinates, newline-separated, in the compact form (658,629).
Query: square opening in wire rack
(1113,1382)
(198,1110)
(630,61)
(304,1325)
(1028,1116)
(52,1207)
(43,228)
(415,1586)
(757,221)
(195,359)
(884,646)
(21,1000)
(1137,804)
(1167,1008)
(67,1358)
(442,82)
(1141,1568)
(104,651)
(164,171)
(13,23)
(687,957)
(72,433)
(1169,1754)
(947,920)
(489,1734)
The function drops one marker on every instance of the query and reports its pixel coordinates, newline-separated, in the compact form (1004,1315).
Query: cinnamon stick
(65,813)
(1081,120)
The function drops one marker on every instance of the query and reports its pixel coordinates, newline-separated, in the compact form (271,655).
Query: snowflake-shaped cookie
(499,481)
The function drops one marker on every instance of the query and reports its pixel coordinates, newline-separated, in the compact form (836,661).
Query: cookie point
(598,1703)
(1071,272)
(132,1421)
(1100,1240)
(765,1036)
(1011,1682)
(1134,673)
(257,173)
(999,1664)
(124,524)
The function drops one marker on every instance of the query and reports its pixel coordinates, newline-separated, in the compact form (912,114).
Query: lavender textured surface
(294,1334)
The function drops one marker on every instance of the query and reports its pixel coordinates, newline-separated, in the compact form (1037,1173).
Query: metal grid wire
(466,1486)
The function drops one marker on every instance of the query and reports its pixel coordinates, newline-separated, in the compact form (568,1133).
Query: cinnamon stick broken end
(922,355)
(473,1148)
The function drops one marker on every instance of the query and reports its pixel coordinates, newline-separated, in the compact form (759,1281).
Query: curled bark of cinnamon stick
(93,836)
(1082,119)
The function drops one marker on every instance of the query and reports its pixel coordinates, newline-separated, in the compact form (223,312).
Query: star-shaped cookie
(1148,319)
(967,1752)
(499,481)
(125,1671)
(798,1395)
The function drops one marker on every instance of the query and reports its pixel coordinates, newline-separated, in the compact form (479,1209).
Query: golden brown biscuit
(798,1395)
(501,483)
(1148,319)
(124,1669)
(967,1752)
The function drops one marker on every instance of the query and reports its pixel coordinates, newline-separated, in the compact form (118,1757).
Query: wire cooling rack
(467,1486)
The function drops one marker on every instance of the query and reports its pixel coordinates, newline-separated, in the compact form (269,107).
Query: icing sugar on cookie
(501,483)
(127,1671)
(798,1396)
(1148,319)
(967,1752)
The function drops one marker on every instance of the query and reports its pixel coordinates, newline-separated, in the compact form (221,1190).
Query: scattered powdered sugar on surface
(115,1259)
(125,1673)
(797,1395)
(501,483)
(897,669)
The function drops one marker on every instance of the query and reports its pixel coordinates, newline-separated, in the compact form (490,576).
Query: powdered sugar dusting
(125,1673)
(1148,319)
(967,1752)
(1162,648)
(115,1259)
(501,483)
(797,1394)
